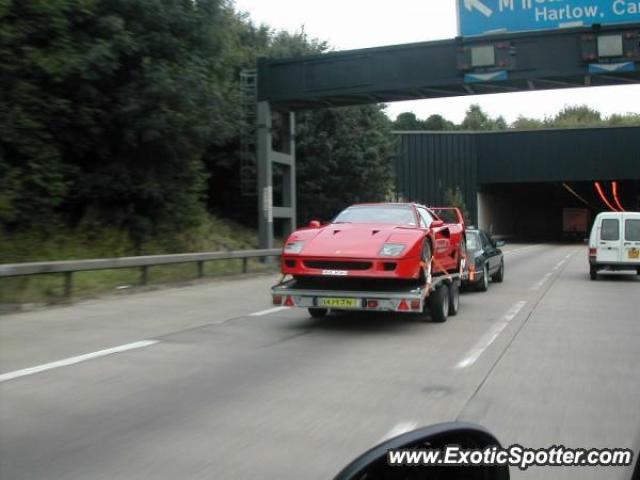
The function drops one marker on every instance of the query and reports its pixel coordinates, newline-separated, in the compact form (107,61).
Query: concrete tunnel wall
(495,215)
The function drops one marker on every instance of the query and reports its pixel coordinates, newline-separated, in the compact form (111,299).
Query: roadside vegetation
(477,119)
(95,241)
(120,130)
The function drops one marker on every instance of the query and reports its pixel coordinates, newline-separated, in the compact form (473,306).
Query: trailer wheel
(454,299)
(439,304)
(318,312)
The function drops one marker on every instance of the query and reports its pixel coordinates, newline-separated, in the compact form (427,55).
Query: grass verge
(84,242)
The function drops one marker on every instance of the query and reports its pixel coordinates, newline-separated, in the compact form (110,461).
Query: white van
(614,243)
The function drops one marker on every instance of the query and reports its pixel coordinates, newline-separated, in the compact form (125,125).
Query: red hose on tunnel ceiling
(604,198)
(614,187)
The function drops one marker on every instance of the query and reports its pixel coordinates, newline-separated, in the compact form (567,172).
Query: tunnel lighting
(610,46)
(575,194)
(604,198)
(483,56)
(616,199)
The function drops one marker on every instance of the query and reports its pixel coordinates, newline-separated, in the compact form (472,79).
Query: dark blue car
(486,260)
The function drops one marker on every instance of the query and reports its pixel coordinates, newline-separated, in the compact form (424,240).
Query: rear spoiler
(447,214)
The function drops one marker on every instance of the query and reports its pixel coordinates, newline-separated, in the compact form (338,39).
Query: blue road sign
(482,17)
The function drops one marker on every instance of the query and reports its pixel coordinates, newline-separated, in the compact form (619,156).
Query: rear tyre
(318,312)
(439,304)
(499,276)
(593,273)
(454,299)
(483,284)
(638,271)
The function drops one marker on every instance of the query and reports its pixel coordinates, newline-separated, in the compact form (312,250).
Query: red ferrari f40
(403,241)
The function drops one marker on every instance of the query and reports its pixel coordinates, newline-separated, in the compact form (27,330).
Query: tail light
(415,305)
(372,303)
(472,273)
(593,252)
(277,299)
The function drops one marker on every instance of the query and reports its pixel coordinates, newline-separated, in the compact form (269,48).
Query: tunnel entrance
(526,184)
(553,211)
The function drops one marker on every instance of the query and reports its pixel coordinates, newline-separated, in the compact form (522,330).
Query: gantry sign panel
(499,63)
(482,17)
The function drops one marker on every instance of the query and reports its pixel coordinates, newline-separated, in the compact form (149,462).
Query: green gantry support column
(268,156)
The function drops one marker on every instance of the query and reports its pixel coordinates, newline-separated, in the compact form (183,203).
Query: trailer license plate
(634,254)
(339,302)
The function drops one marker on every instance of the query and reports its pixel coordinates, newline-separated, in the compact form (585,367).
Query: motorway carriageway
(210,382)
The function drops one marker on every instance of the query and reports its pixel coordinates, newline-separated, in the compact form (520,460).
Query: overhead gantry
(570,58)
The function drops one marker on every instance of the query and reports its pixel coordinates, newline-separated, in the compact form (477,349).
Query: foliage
(110,107)
(91,240)
(343,158)
(343,154)
(477,119)
(453,197)
(409,122)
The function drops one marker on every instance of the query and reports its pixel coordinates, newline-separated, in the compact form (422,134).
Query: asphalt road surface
(211,382)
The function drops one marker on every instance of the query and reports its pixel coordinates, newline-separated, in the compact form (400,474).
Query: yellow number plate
(634,254)
(339,302)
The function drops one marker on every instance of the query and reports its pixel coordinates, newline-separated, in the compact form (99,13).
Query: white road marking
(399,429)
(518,250)
(540,284)
(485,342)
(73,360)
(267,312)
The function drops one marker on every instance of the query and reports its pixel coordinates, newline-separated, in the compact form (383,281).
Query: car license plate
(335,273)
(339,302)
(634,254)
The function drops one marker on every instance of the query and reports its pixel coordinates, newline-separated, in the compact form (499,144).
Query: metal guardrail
(69,267)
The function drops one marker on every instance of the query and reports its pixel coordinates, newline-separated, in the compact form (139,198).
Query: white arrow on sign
(478,5)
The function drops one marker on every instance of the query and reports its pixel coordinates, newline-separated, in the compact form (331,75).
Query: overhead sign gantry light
(484,17)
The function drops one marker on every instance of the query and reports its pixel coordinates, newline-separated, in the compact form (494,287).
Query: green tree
(629,119)
(453,197)
(577,116)
(343,154)
(437,123)
(110,107)
(524,123)
(408,121)
(477,119)
(344,157)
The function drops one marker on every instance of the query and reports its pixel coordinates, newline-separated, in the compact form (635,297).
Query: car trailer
(439,296)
